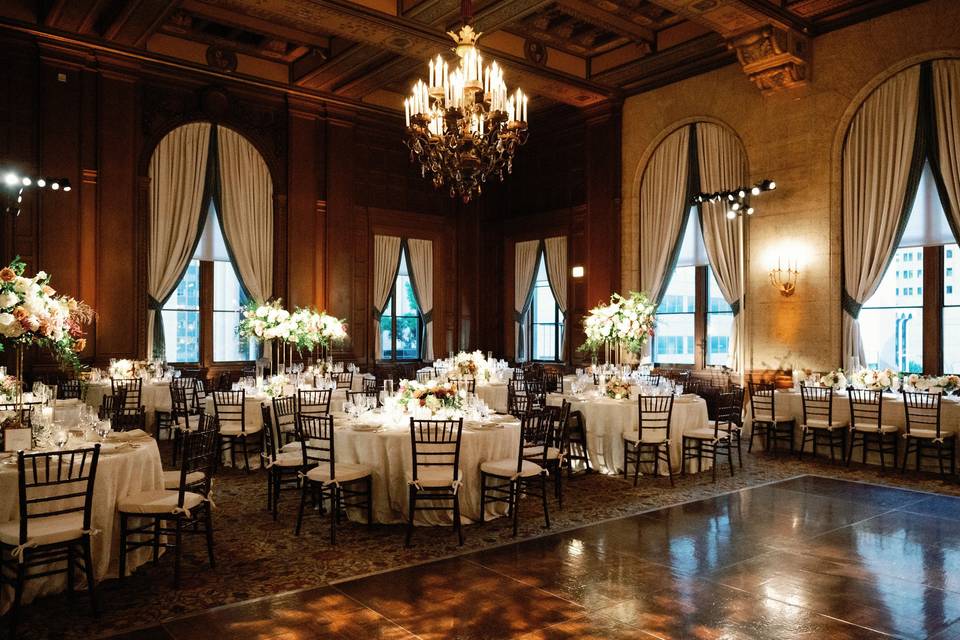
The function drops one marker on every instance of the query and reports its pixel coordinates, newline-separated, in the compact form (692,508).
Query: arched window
(901,215)
(401,323)
(545,317)
(211,243)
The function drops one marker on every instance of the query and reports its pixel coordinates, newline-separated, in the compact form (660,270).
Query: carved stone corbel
(773,57)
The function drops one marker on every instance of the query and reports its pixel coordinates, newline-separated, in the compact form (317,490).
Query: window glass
(951,309)
(673,342)
(228,298)
(181,318)
(719,324)
(547,319)
(891,321)
(401,318)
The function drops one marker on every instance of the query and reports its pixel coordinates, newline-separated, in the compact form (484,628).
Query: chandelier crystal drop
(463,125)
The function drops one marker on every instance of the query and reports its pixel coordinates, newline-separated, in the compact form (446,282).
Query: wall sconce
(577,271)
(785,280)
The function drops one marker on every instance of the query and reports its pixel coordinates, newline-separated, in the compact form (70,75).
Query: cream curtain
(877,159)
(946,107)
(178,171)
(663,208)
(555,251)
(723,165)
(246,211)
(525,262)
(386,262)
(421,265)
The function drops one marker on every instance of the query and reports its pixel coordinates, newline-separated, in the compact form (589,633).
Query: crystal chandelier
(462,125)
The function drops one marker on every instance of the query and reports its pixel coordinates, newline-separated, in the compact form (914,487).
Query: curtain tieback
(735,307)
(517,317)
(428,317)
(850,305)
(154,304)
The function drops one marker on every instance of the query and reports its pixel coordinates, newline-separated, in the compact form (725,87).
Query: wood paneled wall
(340,175)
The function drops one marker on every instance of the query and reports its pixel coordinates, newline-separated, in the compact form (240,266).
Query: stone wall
(794,137)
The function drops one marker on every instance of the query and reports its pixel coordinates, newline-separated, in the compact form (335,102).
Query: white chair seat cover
(67,526)
(765,417)
(816,423)
(235,430)
(171,479)
(292,447)
(535,452)
(649,437)
(155,502)
(344,472)
(439,476)
(507,468)
(705,433)
(930,434)
(290,458)
(884,428)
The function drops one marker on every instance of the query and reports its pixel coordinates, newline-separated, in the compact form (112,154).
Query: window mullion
(933,310)
(206,313)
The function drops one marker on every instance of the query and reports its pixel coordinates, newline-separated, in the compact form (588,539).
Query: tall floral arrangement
(269,321)
(312,329)
(627,321)
(33,314)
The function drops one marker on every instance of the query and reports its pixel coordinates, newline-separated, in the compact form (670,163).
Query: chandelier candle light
(462,124)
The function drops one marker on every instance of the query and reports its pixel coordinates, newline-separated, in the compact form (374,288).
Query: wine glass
(103,429)
(60,438)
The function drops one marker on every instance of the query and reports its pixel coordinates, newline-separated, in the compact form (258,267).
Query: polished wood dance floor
(810,557)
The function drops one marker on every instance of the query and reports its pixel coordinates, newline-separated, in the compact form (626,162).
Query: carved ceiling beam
(774,58)
(74,15)
(256,25)
(594,14)
(731,18)
(138,20)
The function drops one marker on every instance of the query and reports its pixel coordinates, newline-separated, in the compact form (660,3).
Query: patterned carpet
(257,556)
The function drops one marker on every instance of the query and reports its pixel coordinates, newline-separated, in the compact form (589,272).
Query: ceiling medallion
(221,59)
(535,52)
(462,125)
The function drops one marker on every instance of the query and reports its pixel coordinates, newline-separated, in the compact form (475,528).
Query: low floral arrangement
(947,384)
(125,368)
(618,389)
(836,379)
(8,388)
(470,364)
(32,314)
(628,321)
(874,379)
(433,396)
(273,386)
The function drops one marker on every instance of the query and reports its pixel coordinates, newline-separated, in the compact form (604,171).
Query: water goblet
(60,438)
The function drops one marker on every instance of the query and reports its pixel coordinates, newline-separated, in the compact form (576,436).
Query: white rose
(8,299)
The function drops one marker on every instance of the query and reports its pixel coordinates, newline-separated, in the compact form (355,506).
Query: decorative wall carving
(774,58)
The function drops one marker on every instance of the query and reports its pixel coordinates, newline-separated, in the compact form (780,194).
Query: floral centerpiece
(8,388)
(947,384)
(836,379)
(274,386)
(627,321)
(32,314)
(312,329)
(433,396)
(265,321)
(125,368)
(874,379)
(618,388)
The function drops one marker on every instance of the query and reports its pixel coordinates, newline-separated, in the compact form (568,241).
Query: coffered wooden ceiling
(577,52)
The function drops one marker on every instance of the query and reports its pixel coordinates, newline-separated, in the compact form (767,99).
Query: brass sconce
(785,280)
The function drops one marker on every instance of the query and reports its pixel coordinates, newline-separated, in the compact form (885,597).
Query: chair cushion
(235,430)
(704,433)
(156,502)
(535,452)
(816,423)
(292,446)
(171,479)
(930,434)
(344,472)
(290,458)
(67,526)
(507,468)
(435,476)
(649,437)
(869,428)
(765,417)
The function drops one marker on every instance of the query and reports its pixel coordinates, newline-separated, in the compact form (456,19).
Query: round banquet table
(388,451)
(129,463)
(607,419)
(493,393)
(154,396)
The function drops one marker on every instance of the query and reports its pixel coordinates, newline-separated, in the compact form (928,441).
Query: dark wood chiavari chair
(234,432)
(111,406)
(371,385)
(818,421)
(188,506)
(132,415)
(69,389)
(343,484)
(924,431)
(513,477)
(314,402)
(435,470)
(425,376)
(201,422)
(55,490)
(283,465)
(714,440)
(284,421)
(344,379)
(651,442)
(576,441)
(777,427)
(556,452)
(184,413)
(467,384)
(553,381)
(360,396)
(648,379)
(867,427)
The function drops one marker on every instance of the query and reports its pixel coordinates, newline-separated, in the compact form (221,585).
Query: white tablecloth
(154,396)
(120,472)
(607,420)
(494,394)
(388,451)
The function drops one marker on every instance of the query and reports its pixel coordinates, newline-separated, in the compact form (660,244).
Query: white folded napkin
(123,436)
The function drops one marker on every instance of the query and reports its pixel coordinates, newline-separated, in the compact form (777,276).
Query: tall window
(924,265)
(401,325)
(693,319)
(546,319)
(200,319)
